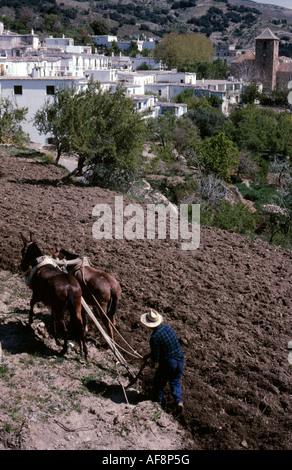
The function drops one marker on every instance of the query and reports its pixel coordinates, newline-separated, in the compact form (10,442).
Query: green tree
(218,155)
(82,36)
(277,97)
(52,23)
(10,123)
(193,101)
(237,217)
(213,70)
(133,50)
(284,135)
(280,220)
(185,136)
(261,131)
(110,136)
(114,49)
(55,119)
(180,50)
(160,129)
(102,128)
(168,133)
(147,52)
(160,133)
(250,94)
(208,120)
(143,66)
(99,27)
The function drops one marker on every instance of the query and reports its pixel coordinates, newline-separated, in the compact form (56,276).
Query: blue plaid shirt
(164,344)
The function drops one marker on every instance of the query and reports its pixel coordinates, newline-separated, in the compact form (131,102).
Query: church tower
(267,58)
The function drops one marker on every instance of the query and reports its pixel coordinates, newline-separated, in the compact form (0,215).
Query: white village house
(32,93)
(17,42)
(31,74)
(109,40)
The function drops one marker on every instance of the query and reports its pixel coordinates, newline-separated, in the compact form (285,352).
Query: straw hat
(151,318)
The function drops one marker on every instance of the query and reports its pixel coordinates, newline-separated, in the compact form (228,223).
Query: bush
(219,156)
(206,215)
(258,194)
(208,121)
(236,217)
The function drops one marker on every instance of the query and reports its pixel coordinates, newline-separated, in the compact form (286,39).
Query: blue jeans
(170,371)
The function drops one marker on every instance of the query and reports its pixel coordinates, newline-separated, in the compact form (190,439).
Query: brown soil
(229,302)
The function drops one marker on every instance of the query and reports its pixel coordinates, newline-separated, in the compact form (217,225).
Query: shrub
(236,217)
(258,194)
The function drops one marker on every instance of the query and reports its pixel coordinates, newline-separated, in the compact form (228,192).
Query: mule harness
(41,261)
(80,263)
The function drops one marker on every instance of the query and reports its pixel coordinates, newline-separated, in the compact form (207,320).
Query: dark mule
(54,288)
(96,286)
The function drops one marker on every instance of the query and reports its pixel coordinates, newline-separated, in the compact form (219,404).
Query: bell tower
(267,58)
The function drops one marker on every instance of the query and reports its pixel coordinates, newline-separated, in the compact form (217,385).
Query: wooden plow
(110,342)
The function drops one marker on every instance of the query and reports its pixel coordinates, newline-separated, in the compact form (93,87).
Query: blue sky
(280,3)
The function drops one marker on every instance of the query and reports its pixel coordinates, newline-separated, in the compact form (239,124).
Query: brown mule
(54,288)
(96,286)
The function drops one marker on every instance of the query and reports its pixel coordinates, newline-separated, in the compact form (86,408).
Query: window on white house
(50,90)
(17,89)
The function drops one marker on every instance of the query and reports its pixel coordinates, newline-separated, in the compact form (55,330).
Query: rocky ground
(229,302)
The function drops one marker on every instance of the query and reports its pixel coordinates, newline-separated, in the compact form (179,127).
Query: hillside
(229,302)
(234,21)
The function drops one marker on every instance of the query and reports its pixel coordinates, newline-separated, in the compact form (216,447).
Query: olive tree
(55,119)
(180,50)
(10,123)
(219,156)
(101,127)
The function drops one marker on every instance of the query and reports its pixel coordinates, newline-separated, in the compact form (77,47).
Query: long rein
(73,263)
(109,320)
